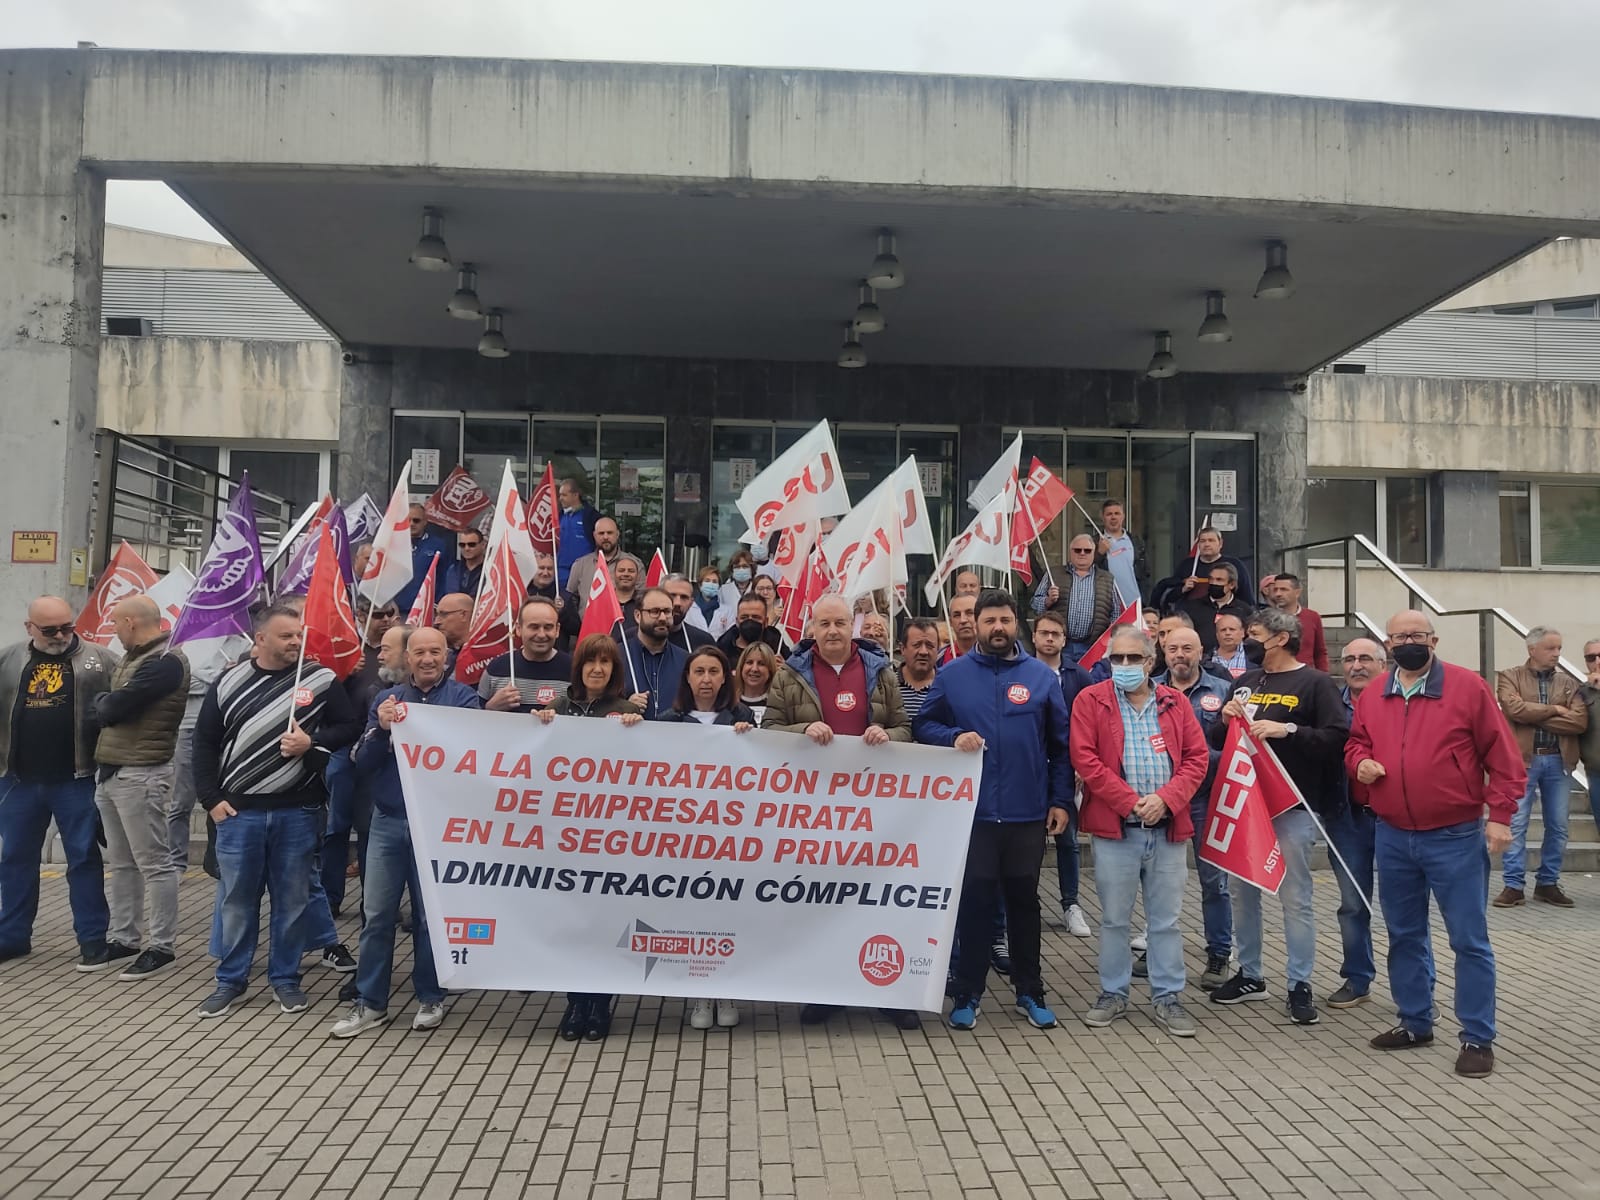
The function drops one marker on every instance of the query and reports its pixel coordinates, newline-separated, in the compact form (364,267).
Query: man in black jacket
(1222,596)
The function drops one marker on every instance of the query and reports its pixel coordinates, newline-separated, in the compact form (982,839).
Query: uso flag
(230,578)
(1239,836)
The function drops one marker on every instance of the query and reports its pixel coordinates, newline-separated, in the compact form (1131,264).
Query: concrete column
(365,424)
(52,226)
(1464,520)
(1279,418)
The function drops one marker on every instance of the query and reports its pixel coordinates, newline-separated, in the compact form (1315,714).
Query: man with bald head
(607,545)
(48,683)
(1429,751)
(452,617)
(835,686)
(391,867)
(139,719)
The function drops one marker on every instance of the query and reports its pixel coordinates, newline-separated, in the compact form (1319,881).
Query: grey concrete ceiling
(592,271)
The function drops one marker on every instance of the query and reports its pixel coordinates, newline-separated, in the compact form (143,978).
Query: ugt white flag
(984,543)
(389,568)
(804,484)
(868,549)
(1005,469)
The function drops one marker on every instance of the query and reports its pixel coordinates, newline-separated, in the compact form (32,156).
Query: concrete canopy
(727,212)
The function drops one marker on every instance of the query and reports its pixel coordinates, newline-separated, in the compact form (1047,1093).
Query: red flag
(421,614)
(331,635)
(658,570)
(1280,792)
(458,502)
(815,578)
(1239,837)
(1130,616)
(544,520)
(125,575)
(604,611)
(1039,501)
(500,595)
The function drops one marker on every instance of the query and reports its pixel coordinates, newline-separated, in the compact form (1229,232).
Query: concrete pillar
(365,424)
(1278,416)
(1464,520)
(52,226)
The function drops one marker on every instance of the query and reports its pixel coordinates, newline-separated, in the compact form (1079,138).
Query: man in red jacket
(1425,739)
(1141,755)
(1284,591)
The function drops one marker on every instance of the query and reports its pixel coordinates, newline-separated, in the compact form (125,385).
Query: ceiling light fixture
(1215,327)
(851,354)
(1162,364)
(465,304)
(1276,282)
(885,272)
(493,342)
(431,253)
(869,317)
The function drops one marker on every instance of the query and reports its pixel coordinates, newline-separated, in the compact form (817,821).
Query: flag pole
(298,671)
(627,655)
(1321,828)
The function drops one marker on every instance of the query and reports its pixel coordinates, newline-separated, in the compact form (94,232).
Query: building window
(1515,310)
(1516,523)
(1577,310)
(1336,508)
(1406,509)
(1569,525)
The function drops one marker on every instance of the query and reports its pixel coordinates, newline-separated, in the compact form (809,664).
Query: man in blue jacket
(425,543)
(391,867)
(999,700)
(577,529)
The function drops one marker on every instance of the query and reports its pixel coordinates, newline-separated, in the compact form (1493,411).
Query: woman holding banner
(757,665)
(706,696)
(598,689)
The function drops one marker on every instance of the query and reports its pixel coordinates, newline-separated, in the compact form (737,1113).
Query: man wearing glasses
(452,616)
(466,572)
(1431,749)
(1082,592)
(424,545)
(47,688)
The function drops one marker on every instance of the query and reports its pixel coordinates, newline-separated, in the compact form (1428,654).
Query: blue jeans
(1548,776)
(1216,904)
(1453,864)
(391,869)
(1067,855)
(1352,834)
(25,812)
(349,808)
(1121,865)
(1295,834)
(263,851)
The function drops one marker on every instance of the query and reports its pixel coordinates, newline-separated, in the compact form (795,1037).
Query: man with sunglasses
(1082,592)
(424,545)
(466,572)
(47,729)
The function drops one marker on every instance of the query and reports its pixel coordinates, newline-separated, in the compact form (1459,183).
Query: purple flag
(362,519)
(230,577)
(296,577)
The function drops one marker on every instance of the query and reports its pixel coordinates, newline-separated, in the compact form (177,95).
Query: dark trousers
(1067,852)
(1002,860)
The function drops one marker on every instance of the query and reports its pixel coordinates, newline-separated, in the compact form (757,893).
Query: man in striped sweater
(261,745)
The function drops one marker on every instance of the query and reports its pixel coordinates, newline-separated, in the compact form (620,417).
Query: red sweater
(1097,742)
(1313,641)
(1436,750)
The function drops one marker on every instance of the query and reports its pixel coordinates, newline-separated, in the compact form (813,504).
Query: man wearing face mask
(1432,749)
(691,637)
(1141,755)
(1221,598)
(751,627)
(1298,710)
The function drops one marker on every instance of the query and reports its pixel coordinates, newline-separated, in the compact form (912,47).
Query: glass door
(1158,501)
(1225,491)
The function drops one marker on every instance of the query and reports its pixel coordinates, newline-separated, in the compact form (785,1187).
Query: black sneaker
(816,1014)
(103,955)
(902,1018)
(1141,965)
(348,993)
(1240,989)
(1302,1005)
(1000,956)
(337,957)
(1216,973)
(1401,1038)
(7,953)
(151,962)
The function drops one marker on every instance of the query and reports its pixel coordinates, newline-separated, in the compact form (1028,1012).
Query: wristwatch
(1291,728)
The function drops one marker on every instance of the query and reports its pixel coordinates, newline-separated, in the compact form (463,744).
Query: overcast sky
(1532,55)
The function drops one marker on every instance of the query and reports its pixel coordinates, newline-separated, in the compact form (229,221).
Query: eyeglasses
(384,614)
(1402,639)
(655,612)
(1591,657)
(450,612)
(1083,549)
(53,630)
(1125,660)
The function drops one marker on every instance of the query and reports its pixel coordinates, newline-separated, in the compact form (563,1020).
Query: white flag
(1005,468)
(868,549)
(804,484)
(985,543)
(511,525)
(389,568)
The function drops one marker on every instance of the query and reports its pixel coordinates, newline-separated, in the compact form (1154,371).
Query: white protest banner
(655,860)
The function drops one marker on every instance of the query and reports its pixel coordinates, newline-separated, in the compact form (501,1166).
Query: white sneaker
(1077,924)
(727,1014)
(359,1019)
(1142,942)
(428,1016)
(701,1014)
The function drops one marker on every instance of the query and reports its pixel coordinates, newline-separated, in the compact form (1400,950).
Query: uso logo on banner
(881,961)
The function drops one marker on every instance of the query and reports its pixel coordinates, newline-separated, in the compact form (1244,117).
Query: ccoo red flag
(604,611)
(1239,837)
(1130,616)
(421,614)
(657,571)
(544,520)
(125,576)
(458,502)
(331,636)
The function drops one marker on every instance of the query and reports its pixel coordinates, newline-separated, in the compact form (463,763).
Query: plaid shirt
(1080,607)
(1543,739)
(1143,766)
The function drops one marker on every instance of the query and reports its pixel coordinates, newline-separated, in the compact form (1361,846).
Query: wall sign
(741,473)
(1224,487)
(33,545)
(425,467)
(686,487)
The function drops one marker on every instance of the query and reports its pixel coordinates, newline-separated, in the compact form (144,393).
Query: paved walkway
(111,1088)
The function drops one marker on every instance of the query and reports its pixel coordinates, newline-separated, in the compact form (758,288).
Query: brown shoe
(1400,1038)
(1474,1061)
(1509,898)
(1551,893)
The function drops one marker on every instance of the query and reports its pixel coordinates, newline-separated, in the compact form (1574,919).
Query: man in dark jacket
(47,733)
(1432,750)
(261,749)
(997,696)
(391,866)
(139,719)
(654,664)
(1222,598)
(577,529)
(425,543)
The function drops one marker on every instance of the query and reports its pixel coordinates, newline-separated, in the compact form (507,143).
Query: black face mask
(1411,656)
(1216,591)
(750,631)
(1255,651)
